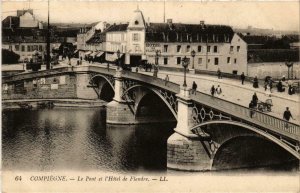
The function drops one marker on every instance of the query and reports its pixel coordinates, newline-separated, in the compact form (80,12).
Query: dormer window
(136,22)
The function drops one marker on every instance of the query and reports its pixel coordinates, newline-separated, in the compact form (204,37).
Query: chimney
(202,22)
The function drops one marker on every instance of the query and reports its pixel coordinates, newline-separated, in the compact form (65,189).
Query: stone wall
(58,86)
(82,89)
(64,86)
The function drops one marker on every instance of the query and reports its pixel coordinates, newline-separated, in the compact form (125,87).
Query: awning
(88,53)
(112,57)
(93,54)
(99,54)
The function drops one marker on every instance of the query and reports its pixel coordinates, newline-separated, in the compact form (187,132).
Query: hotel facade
(214,46)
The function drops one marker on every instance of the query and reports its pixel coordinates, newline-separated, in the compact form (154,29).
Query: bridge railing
(42,73)
(259,118)
(170,86)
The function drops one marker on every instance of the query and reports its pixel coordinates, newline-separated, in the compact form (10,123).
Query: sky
(277,15)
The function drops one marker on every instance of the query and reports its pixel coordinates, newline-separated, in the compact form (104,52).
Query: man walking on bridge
(243,77)
(194,88)
(287,115)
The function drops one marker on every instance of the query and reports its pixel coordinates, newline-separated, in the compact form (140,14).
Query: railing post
(118,86)
(118,111)
(185,149)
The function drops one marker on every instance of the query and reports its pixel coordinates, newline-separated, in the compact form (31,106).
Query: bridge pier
(118,111)
(186,151)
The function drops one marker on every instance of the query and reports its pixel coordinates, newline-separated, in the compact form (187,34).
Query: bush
(9,57)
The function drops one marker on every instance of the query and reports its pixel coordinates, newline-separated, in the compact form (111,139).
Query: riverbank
(50,103)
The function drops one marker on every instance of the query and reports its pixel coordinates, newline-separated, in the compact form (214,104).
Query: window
(199,48)
(231,48)
(208,48)
(235,60)
(165,61)
(40,48)
(178,60)
(135,37)
(165,48)
(23,48)
(215,49)
(208,61)
(228,60)
(199,60)
(216,61)
(28,48)
(178,48)
(188,48)
(17,47)
(136,22)
(238,48)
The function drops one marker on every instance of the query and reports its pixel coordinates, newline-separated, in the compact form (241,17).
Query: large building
(23,34)
(215,46)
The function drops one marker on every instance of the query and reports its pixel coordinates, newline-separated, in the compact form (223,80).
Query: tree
(9,57)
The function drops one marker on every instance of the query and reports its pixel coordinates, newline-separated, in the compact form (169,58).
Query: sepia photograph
(150,96)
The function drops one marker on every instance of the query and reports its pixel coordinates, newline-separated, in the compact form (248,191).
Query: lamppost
(289,65)
(118,55)
(193,54)
(185,64)
(155,70)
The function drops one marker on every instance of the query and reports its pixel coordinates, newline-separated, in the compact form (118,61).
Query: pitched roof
(249,39)
(98,37)
(178,32)
(11,21)
(117,27)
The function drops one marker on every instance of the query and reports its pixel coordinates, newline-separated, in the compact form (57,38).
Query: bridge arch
(103,87)
(293,151)
(105,78)
(150,90)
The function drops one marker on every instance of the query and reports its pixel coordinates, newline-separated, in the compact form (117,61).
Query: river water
(78,139)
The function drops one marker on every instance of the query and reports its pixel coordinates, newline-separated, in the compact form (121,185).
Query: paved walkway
(232,89)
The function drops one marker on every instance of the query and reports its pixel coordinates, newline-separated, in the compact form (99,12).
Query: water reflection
(77,139)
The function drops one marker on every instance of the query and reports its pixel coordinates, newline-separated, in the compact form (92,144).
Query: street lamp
(155,70)
(289,65)
(193,54)
(185,64)
(118,55)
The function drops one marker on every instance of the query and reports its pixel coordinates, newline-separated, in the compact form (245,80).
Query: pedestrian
(136,69)
(194,88)
(291,90)
(219,73)
(254,99)
(77,62)
(280,87)
(218,90)
(287,115)
(251,107)
(107,66)
(271,84)
(243,77)
(212,90)
(255,82)
(283,78)
(166,79)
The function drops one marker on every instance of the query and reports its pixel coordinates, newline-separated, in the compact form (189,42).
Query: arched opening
(103,88)
(253,152)
(106,93)
(152,108)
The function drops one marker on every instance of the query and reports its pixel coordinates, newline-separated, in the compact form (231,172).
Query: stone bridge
(210,132)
